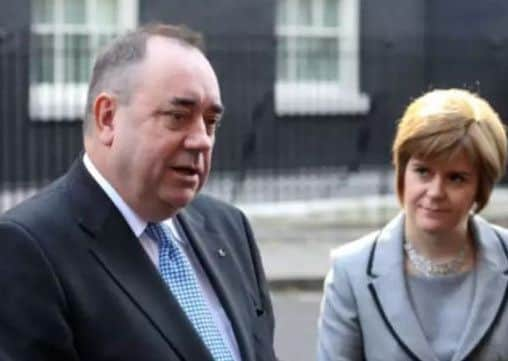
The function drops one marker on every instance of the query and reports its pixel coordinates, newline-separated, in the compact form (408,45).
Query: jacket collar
(388,287)
(491,287)
(388,251)
(216,256)
(117,250)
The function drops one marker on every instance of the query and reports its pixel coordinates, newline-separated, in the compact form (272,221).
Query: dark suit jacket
(77,285)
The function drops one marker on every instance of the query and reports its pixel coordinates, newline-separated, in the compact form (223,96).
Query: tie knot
(159,233)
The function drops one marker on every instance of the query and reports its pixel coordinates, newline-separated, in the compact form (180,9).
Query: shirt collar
(135,222)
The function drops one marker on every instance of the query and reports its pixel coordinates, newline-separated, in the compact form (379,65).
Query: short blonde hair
(444,121)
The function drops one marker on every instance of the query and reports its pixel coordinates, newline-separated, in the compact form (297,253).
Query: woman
(432,284)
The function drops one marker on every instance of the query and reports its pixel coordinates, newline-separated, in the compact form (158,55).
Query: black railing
(259,156)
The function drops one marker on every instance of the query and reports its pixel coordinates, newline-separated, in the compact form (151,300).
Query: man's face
(163,138)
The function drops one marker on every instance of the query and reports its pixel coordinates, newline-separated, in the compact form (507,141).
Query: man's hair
(442,123)
(113,67)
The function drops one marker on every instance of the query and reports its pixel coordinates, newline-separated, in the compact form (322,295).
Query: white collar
(135,222)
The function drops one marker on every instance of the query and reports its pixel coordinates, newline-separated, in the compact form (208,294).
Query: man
(120,259)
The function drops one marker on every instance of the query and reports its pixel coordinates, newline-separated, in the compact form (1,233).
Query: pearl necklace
(430,268)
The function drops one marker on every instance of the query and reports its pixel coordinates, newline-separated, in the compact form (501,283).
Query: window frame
(59,100)
(295,97)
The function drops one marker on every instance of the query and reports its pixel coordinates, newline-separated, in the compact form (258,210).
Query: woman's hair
(443,122)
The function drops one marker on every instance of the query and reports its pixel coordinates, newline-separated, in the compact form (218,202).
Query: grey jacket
(366,313)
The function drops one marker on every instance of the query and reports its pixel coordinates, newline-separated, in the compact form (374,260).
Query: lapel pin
(221,252)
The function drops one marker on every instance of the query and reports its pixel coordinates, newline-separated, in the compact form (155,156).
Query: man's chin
(180,200)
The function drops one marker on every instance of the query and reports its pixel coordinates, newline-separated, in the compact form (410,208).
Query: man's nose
(199,136)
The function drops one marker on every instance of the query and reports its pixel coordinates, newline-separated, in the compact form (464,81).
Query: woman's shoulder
(355,252)
(501,230)
(483,224)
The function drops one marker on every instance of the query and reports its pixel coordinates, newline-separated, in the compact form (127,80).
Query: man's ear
(104,109)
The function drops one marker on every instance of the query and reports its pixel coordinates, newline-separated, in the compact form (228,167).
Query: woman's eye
(457,178)
(422,171)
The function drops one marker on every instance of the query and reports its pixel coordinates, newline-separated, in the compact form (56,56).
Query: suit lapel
(491,288)
(119,252)
(388,288)
(216,258)
(390,294)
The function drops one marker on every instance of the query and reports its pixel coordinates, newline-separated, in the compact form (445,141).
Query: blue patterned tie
(183,284)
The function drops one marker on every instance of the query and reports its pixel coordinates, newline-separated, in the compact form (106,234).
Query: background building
(311,87)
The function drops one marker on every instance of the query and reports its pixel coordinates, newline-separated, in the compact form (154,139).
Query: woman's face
(439,194)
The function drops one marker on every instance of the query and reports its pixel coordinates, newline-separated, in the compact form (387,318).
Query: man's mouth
(186,170)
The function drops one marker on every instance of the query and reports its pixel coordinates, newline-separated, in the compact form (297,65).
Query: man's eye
(173,118)
(212,123)
(176,115)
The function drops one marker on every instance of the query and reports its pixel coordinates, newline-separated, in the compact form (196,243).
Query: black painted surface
(467,46)
(407,46)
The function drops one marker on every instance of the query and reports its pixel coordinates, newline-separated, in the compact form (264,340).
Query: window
(66,35)
(317,58)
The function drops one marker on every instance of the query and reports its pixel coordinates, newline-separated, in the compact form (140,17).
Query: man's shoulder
(214,212)
(46,204)
(206,203)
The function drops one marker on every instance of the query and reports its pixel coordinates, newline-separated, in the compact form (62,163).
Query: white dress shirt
(138,226)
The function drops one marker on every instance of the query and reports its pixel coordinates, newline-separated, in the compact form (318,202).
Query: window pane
(77,58)
(74,12)
(42,11)
(282,15)
(317,59)
(302,59)
(42,59)
(102,40)
(107,12)
(303,12)
(282,59)
(331,13)
(329,48)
